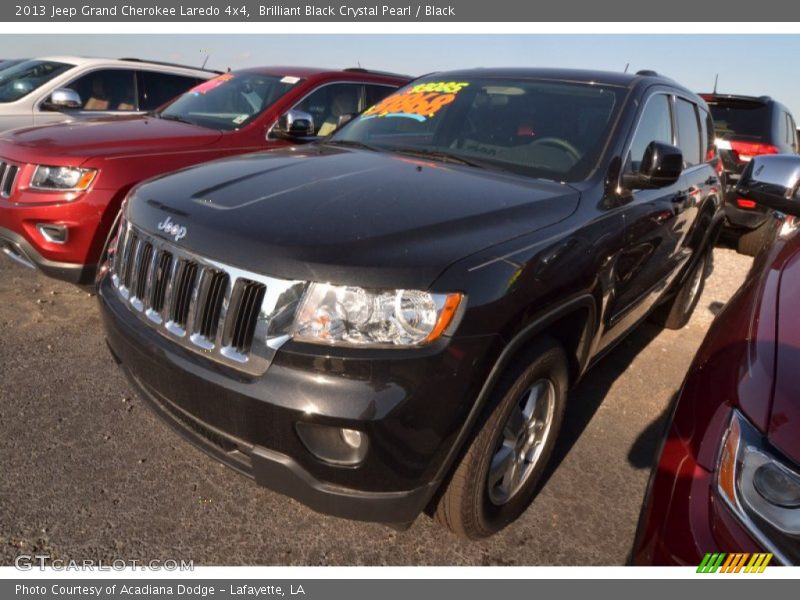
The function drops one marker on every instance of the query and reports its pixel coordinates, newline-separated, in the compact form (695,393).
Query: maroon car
(61,186)
(728,479)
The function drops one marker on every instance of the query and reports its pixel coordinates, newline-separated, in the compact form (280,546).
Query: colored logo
(720,562)
(420,102)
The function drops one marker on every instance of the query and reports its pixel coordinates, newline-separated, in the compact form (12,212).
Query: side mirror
(295,124)
(661,166)
(773,181)
(63,99)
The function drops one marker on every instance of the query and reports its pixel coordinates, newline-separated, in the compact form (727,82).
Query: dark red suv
(728,479)
(61,186)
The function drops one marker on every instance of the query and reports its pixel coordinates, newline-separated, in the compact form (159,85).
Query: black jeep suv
(390,320)
(748,126)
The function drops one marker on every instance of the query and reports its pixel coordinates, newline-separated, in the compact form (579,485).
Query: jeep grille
(226,314)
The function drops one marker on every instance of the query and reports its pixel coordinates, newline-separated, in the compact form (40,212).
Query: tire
(676,313)
(472,508)
(751,242)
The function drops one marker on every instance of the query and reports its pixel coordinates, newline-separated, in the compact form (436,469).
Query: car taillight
(745,203)
(745,151)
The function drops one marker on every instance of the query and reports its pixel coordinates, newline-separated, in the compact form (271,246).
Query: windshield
(741,119)
(20,79)
(554,130)
(229,101)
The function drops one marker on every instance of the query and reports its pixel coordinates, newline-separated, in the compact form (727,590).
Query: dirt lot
(87,472)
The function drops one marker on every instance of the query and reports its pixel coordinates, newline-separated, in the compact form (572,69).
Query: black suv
(390,320)
(746,126)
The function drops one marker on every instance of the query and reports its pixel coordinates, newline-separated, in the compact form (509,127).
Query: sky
(752,64)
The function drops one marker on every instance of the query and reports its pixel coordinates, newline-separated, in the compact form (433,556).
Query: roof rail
(168,64)
(647,73)
(370,71)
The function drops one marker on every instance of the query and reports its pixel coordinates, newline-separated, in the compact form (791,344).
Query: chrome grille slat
(4,167)
(127,262)
(223,313)
(8,176)
(147,291)
(132,277)
(228,315)
(161,275)
(197,296)
(166,309)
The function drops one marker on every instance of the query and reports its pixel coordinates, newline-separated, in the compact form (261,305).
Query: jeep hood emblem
(177,232)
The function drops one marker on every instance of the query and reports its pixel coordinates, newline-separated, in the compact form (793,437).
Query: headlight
(761,489)
(345,315)
(64,179)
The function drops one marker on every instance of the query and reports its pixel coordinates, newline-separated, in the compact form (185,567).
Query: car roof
(81,61)
(309,72)
(613,78)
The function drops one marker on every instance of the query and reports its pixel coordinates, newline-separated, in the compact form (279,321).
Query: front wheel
(499,474)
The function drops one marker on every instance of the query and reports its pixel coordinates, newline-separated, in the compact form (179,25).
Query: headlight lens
(72,179)
(761,489)
(347,315)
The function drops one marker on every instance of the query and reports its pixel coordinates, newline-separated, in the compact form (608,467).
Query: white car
(40,91)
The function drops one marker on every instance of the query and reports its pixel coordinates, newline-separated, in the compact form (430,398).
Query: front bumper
(411,407)
(19,250)
(86,221)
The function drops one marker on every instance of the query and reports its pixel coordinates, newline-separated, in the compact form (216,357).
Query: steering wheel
(560,144)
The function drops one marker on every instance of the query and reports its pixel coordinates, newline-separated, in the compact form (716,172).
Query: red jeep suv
(61,186)
(728,477)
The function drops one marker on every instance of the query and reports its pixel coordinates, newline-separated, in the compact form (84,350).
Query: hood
(102,137)
(784,423)
(373,219)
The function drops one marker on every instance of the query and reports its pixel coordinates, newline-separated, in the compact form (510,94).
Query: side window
(688,132)
(329,102)
(106,89)
(655,125)
(376,93)
(156,89)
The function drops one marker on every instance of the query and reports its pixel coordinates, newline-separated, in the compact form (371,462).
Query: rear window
(740,119)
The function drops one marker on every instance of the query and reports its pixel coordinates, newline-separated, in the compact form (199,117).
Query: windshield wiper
(175,118)
(441,156)
(352,144)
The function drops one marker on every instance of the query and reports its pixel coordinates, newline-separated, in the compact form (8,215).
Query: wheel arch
(572,323)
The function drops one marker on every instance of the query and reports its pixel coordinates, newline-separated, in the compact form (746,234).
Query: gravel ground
(88,472)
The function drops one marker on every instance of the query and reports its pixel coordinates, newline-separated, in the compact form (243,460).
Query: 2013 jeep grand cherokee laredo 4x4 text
(61,186)
(390,320)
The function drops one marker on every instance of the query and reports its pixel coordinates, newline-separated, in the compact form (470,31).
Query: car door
(655,224)
(103,92)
